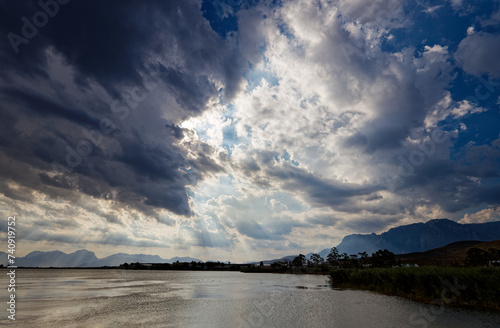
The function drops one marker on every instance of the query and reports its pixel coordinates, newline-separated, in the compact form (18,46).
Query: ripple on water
(113,298)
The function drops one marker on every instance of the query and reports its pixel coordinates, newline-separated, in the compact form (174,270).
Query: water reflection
(113,298)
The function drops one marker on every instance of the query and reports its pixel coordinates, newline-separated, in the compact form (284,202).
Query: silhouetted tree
(317,259)
(299,260)
(333,256)
(278,265)
(383,258)
(363,257)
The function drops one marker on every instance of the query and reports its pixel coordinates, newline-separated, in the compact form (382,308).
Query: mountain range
(85,258)
(417,237)
(420,237)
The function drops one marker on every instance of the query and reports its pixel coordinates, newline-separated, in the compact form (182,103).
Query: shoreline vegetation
(467,287)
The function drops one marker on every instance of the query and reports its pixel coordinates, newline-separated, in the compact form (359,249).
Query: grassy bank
(471,287)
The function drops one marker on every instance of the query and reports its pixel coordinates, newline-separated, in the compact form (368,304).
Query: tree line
(381,258)
(384,258)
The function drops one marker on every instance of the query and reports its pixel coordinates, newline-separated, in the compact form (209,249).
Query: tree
(363,256)
(299,260)
(261,263)
(333,256)
(277,264)
(383,258)
(317,259)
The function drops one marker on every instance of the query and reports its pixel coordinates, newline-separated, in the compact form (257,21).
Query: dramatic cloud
(225,129)
(107,97)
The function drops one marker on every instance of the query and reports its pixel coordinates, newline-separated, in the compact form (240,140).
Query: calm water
(117,298)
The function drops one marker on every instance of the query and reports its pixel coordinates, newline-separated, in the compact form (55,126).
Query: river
(119,298)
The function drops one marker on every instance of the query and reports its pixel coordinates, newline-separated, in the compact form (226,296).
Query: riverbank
(465,287)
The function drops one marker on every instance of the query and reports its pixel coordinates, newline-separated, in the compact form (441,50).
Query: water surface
(119,298)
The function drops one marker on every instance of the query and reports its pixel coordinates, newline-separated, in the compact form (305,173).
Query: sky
(242,129)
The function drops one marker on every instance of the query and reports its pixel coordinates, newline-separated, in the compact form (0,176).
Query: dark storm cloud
(110,42)
(317,190)
(454,184)
(321,191)
(38,106)
(114,46)
(401,109)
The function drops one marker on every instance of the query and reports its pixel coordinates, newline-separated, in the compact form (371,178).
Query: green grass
(427,284)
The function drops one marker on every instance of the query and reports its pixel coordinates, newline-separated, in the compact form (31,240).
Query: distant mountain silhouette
(420,237)
(417,237)
(183,259)
(324,253)
(56,259)
(287,258)
(85,258)
(120,258)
